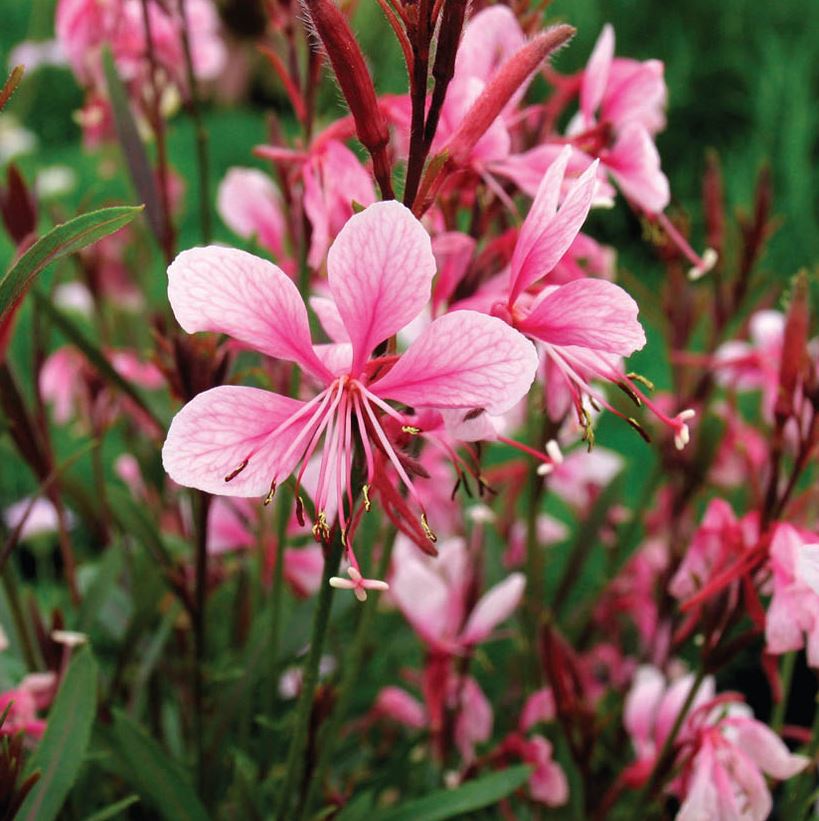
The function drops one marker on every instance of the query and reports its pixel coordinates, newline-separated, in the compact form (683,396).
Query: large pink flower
(242,441)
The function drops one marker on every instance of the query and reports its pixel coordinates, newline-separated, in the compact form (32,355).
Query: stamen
(644,381)
(411,429)
(427,529)
(270,494)
(234,473)
(365,492)
(321,530)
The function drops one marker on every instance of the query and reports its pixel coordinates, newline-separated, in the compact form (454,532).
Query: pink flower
(792,621)
(34,517)
(251,206)
(34,693)
(242,441)
(726,778)
(333,179)
(720,540)
(432,595)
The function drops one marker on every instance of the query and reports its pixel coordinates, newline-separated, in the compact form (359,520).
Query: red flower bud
(794,349)
(356,84)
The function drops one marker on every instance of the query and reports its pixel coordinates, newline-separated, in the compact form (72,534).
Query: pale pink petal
(380,270)
(227,529)
(329,317)
(422,596)
(221,428)
(588,313)
(548,783)
(463,360)
(767,750)
(640,709)
(634,162)
(492,608)
(807,566)
(539,707)
(249,204)
(544,205)
(475,718)
(453,253)
(490,38)
(400,706)
(228,291)
(546,239)
(303,568)
(636,92)
(596,74)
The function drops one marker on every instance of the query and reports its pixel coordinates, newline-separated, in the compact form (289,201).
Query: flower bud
(355,82)
(500,88)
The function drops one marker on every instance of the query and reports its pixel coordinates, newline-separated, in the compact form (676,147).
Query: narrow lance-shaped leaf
(133,149)
(60,241)
(474,795)
(158,778)
(10,85)
(59,755)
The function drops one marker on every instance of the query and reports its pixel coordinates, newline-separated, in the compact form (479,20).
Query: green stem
(201,507)
(352,667)
(788,665)
(276,593)
(304,708)
(10,589)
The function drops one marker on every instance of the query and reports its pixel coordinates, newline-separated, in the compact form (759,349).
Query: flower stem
(788,665)
(349,676)
(304,708)
(202,507)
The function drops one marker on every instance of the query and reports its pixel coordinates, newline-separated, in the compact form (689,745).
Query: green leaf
(114,810)
(108,570)
(474,795)
(59,755)
(60,241)
(136,157)
(72,332)
(151,772)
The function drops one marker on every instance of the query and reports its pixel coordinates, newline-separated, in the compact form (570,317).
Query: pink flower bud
(500,89)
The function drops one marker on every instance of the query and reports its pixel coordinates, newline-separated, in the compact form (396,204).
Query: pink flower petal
(330,319)
(545,235)
(767,750)
(380,270)
(228,291)
(250,205)
(493,607)
(588,313)
(400,706)
(596,75)
(463,360)
(634,162)
(218,429)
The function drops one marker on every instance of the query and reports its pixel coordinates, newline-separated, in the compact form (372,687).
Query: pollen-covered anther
(428,532)
(411,429)
(681,433)
(236,471)
(357,583)
(365,492)
(321,529)
(270,493)
(638,377)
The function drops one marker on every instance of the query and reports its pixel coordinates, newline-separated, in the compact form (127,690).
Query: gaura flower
(587,326)
(243,441)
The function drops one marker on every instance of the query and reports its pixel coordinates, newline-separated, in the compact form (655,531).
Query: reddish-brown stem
(420,37)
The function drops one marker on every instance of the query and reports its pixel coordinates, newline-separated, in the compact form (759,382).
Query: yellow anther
(365,492)
(638,377)
(321,530)
(428,532)
(411,429)
(270,493)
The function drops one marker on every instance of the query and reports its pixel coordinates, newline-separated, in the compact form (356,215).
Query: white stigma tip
(709,260)
(554,452)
